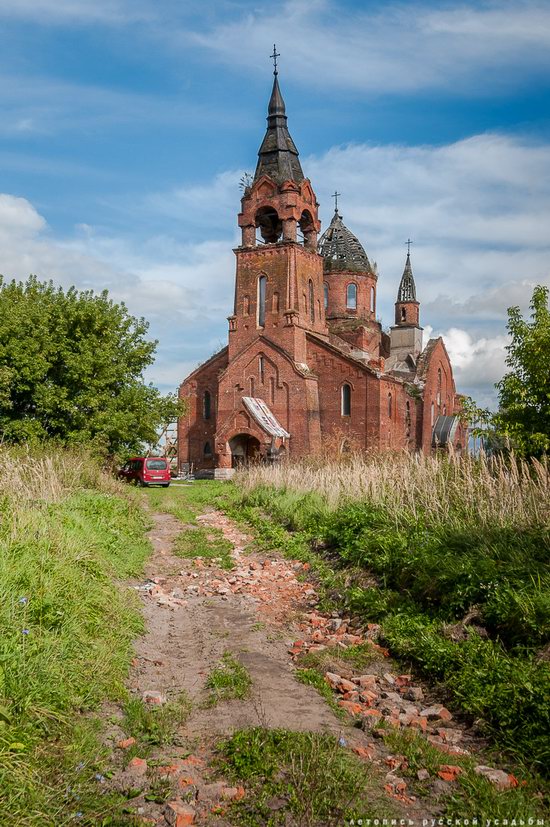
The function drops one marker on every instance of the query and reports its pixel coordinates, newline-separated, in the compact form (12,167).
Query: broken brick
(178,814)
(126,743)
(449,772)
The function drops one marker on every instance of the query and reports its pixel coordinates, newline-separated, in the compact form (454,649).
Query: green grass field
(68,536)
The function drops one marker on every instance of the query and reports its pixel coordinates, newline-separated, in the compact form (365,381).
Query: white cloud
(395,47)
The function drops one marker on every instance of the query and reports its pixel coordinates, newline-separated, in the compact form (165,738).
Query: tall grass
(490,491)
(428,544)
(68,534)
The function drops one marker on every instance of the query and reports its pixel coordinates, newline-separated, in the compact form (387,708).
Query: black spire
(407,287)
(278,156)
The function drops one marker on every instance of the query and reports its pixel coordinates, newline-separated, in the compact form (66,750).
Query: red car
(146,471)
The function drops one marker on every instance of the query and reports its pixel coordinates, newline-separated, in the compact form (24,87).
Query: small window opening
(207,405)
(390,405)
(403,315)
(311,302)
(408,420)
(261,369)
(275,303)
(246,305)
(207,449)
(272,389)
(346,400)
(325,293)
(262,283)
(372,298)
(351,296)
(432,414)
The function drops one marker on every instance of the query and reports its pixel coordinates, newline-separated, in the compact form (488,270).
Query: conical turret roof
(341,249)
(278,156)
(407,287)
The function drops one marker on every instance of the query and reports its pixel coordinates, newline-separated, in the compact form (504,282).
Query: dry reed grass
(50,476)
(489,491)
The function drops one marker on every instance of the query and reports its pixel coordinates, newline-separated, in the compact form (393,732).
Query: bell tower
(279,277)
(406,334)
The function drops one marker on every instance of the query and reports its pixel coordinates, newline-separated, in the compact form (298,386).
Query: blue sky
(126,127)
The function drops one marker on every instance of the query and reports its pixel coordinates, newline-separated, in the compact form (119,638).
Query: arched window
(351,296)
(318,308)
(261,368)
(275,303)
(346,400)
(390,405)
(311,302)
(206,405)
(325,293)
(246,305)
(403,315)
(372,299)
(262,283)
(207,451)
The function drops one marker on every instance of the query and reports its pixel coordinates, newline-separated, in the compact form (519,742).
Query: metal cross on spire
(408,242)
(335,196)
(274,57)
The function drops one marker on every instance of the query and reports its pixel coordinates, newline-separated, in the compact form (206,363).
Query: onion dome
(341,249)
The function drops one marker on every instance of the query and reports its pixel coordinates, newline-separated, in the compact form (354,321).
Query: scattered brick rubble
(375,701)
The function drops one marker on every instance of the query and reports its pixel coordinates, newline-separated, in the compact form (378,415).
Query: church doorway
(244,450)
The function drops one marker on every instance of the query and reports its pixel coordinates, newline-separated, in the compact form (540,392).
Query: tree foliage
(71,368)
(524,392)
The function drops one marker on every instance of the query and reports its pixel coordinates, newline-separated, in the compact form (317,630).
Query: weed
(208,544)
(229,679)
(299,778)
(153,725)
(471,793)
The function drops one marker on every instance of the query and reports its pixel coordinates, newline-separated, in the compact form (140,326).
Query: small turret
(407,309)
(406,334)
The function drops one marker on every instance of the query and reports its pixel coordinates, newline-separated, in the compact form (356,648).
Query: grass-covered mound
(67,535)
(450,555)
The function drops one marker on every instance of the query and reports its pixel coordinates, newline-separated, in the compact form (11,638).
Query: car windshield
(157,464)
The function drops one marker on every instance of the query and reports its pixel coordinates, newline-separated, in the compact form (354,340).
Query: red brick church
(308,367)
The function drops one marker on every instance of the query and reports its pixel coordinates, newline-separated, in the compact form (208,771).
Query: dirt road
(261,614)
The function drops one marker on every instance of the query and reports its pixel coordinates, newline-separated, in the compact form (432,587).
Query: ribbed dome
(341,249)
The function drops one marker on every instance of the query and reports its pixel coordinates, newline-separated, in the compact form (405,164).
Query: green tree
(524,392)
(71,368)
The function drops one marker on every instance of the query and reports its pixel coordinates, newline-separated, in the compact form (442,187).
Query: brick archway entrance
(244,449)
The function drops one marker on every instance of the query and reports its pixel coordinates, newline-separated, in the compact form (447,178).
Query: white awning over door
(264,417)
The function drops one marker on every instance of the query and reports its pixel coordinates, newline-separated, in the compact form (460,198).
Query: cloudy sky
(127,124)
